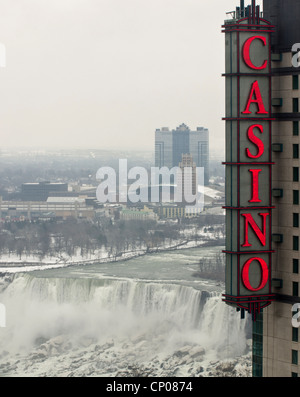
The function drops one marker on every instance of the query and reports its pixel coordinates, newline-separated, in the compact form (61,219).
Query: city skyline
(172,144)
(107,74)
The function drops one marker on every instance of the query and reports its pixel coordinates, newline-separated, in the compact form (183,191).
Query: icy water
(143,317)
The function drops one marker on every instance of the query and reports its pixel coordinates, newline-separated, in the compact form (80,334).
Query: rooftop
(65,200)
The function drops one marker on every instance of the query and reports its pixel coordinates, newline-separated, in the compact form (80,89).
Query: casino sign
(248,162)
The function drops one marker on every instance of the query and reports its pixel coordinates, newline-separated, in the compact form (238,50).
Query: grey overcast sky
(107,73)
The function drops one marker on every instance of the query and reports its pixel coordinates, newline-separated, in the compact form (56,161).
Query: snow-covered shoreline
(12,263)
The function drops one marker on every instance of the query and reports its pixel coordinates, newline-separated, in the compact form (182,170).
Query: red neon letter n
(261,235)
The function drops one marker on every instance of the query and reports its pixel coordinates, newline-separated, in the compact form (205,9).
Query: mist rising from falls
(170,315)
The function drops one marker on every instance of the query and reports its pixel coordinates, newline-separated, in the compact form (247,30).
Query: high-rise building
(187,179)
(164,148)
(170,145)
(281,346)
(262,179)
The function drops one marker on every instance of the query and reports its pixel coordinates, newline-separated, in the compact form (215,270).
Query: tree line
(75,237)
(212,268)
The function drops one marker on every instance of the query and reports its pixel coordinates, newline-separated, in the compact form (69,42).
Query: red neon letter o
(264,274)
(246,52)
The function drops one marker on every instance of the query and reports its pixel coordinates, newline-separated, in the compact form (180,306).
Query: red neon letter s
(246,53)
(264,274)
(255,91)
(257,142)
(261,235)
(255,185)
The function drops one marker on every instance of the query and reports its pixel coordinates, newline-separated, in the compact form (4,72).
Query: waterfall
(116,308)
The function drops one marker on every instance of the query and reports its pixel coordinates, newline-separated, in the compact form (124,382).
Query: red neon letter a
(255,92)
(261,235)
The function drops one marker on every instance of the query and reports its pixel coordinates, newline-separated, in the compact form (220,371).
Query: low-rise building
(40,191)
(54,207)
(144,214)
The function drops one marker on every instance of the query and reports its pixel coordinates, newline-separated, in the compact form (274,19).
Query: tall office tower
(187,179)
(181,143)
(281,347)
(164,148)
(262,179)
(170,145)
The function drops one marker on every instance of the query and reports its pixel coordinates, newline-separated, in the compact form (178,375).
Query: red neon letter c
(246,53)
(264,274)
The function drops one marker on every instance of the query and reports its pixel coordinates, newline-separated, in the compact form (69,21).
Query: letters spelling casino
(255,97)
(248,165)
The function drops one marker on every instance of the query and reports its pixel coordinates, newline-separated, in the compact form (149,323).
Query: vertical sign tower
(248,160)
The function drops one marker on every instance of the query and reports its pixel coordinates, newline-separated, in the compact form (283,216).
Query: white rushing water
(81,322)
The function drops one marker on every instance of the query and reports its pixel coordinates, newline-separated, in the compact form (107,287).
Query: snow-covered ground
(121,358)
(215,194)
